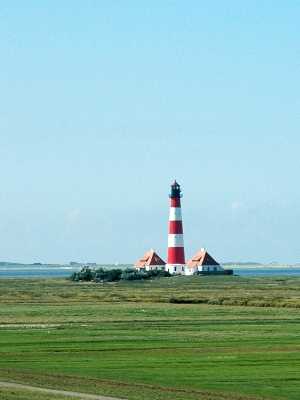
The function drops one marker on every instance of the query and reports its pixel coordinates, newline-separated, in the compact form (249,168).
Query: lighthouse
(176,260)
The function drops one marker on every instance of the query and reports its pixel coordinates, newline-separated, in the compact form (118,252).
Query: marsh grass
(172,338)
(236,291)
(25,394)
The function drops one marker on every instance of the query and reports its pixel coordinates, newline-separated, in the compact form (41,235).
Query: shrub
(131,274)
(86,274)
(113,275)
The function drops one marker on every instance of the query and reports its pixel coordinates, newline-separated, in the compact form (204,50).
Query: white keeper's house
(201,263)
(150,261)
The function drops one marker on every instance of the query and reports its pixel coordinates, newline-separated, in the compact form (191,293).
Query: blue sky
(104,103)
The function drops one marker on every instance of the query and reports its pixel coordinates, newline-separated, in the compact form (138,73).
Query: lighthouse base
(176,269)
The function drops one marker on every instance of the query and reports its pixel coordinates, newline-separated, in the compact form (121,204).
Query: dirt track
(83,396)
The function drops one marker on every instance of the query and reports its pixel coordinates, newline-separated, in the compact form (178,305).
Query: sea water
(33,271)
(65,271)
(267,271)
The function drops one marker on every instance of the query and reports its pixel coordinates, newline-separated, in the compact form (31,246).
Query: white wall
(177,269)
(202,268)
(152,267)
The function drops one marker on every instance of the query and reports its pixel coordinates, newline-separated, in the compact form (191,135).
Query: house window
(174,268)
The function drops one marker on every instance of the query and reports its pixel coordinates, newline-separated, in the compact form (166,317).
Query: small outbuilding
(203,263)
(150,261)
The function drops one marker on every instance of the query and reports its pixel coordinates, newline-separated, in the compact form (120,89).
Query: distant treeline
(88,274)
(241,263)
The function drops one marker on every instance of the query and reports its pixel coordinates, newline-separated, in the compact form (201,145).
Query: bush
(86,274)
(107,275)
(131,274)
(113,275)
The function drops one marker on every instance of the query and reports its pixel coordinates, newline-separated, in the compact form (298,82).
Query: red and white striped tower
(176,260)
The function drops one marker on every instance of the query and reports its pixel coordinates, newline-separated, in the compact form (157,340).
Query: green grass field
(18,394)
(174,338)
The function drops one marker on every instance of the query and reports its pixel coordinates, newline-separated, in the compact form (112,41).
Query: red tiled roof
(149,258)
(201,258)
